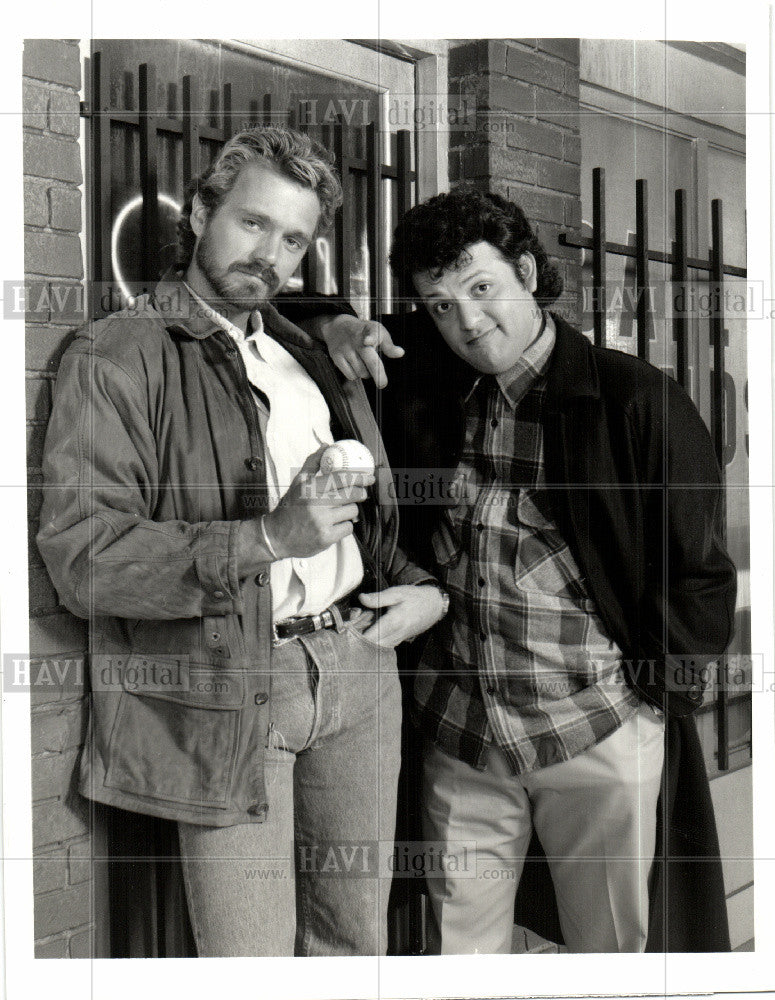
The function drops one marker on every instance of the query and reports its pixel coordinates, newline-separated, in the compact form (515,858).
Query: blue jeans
(306,881)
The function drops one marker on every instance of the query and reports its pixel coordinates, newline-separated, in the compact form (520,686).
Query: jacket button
(218,595)
(262,579)
(231,353)
(261,698)
(259,809)
(695,692)
(253,463)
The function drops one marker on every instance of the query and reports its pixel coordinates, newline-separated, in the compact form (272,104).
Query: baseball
(347,456)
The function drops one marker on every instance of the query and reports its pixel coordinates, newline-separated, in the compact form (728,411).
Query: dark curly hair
(293,154)
(432,236)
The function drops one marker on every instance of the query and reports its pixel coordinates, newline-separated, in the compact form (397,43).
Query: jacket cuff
(216,570)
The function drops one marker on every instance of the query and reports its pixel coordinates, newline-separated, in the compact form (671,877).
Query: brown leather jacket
(153,455)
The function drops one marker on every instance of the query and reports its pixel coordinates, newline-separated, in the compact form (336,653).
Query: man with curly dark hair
(581,546)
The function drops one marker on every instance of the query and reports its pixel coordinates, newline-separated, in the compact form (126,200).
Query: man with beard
(240,684)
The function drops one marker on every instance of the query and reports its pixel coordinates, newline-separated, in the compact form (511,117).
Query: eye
(482,287)
(441,308)
(249,223)
(293,244)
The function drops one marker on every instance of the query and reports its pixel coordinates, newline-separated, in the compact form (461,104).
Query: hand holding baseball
(318,510)
(348,456)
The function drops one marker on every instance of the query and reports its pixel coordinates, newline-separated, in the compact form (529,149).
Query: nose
(469,313)
(267,248)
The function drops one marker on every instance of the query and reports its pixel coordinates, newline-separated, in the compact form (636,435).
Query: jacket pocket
(176,732)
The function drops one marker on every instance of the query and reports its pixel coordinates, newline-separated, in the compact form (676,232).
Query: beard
(243,285)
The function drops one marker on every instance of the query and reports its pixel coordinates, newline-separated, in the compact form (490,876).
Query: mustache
(263,271)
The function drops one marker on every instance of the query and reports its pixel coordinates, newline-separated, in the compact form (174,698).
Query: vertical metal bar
(642,265)
(228,123)
(149,182)
(681,290)
(374,216)
(403,194)
(344,219)
(190,130)
(268,110)
(101,202)
(718,429)
(599,298)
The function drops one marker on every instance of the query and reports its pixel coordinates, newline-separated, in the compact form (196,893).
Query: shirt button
(480,527)
(494,422)
(218,595)
(262,579)
(261,698)
(491,689)
(695,692)
(253,463)
(482,581)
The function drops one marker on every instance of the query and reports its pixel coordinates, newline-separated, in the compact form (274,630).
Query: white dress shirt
(297,423)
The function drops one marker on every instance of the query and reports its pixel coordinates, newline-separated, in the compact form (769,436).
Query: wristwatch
(444,597)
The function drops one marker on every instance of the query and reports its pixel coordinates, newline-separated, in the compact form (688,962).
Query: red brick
(43,596)
(538,204)
(64,112)
(537,137)
(54,821)
(52,776)
(558,109)
(65,208)
(571,147)
(55,948)
(534,67)
(45,156)
(36,435)
(573,213)
(35,105)
(44,347)
(49,872)
(571,80)
(80,863)
(81,944)
(35,202)
(52,60)
(511,95)
(514,164)
(475,162)
(58,731)
(59,911)
(56,634)
(38,398)
(558,176)
(57,682)
(563,48)
(470,58)
(54,254)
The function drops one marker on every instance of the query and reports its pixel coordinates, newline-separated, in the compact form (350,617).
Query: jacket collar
(181,312)
(572,371)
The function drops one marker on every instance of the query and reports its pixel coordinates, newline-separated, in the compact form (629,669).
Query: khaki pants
(596,818)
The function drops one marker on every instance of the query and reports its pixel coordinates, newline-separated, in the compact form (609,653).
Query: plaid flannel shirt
(522,660)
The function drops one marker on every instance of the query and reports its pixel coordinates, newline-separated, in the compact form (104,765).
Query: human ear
(528,272)
(199,215)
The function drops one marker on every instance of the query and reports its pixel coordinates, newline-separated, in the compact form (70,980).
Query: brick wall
(526,145)
(62,839)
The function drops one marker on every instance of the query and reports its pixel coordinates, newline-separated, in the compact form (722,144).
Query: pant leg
(240,879)
(345,787)
(596,818)
(474,915)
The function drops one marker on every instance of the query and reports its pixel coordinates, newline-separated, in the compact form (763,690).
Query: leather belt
(293,627)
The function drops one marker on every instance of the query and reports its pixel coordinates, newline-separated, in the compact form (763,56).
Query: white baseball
(347,456)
